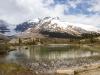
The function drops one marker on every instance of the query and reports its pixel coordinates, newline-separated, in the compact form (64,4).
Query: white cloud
(16,11)
(88,20)
(95,6)
(74,3)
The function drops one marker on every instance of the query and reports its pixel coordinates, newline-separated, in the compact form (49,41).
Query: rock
(67,72)
(87,68)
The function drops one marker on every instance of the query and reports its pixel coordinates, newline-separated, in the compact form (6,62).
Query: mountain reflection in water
(50,52)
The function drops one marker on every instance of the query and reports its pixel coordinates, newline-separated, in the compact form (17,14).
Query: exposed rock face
(25,25)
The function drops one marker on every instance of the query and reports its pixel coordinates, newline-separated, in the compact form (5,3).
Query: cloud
(88,20)
(17,11)
(95,6)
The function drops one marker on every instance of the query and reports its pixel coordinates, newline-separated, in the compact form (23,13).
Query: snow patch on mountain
(64,25)
(34,20)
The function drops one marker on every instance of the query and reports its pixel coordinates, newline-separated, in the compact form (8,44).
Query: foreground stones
(79,70)
(67,72)
(14,69)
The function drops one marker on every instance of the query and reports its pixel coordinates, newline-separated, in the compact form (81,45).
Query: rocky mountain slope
(53,27)
(25,25)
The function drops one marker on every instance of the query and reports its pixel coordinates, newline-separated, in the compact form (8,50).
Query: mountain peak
(55,24)
(54,27)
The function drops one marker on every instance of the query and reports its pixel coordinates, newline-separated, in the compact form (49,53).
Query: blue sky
(76,11)
(81,8)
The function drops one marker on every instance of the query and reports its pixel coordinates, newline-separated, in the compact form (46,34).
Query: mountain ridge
(48,25)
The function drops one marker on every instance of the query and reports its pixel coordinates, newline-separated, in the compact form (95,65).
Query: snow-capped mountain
(49,26)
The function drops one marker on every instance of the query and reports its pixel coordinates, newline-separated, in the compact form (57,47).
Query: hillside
(53,27)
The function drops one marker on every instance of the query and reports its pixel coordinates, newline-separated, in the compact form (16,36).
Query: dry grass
(13,69)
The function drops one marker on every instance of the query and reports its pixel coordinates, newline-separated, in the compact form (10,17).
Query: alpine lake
(46,60)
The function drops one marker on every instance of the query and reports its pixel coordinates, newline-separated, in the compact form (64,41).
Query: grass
(4,48)
(13,69)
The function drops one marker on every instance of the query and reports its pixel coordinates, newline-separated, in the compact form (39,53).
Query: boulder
(67,72)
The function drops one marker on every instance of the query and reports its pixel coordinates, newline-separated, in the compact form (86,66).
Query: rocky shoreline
(45,69)
(52,66)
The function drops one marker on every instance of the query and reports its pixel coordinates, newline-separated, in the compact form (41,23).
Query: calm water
(51,52)
(52,57)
